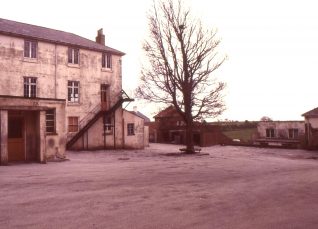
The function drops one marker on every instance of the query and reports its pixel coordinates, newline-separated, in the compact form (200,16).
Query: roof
(311,113)
(18,29)
(167,112)
(140,115)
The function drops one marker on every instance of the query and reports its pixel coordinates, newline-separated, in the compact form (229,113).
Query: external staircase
(94,115)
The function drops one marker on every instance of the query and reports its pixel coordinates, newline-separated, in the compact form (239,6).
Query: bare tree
(181,57)
(266,119)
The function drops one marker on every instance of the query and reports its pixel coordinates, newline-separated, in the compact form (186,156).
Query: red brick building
(169,127)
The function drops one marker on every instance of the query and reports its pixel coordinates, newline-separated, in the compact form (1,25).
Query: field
(224,187)
(244,135)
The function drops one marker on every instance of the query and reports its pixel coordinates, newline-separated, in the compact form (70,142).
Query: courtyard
(224,187)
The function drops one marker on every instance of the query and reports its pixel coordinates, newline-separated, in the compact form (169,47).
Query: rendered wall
(281,128)
(135,141)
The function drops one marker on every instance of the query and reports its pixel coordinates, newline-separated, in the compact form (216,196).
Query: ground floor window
(108,125)
(293,133)
(72,124)
(50,121)
(130,129)
(270,133)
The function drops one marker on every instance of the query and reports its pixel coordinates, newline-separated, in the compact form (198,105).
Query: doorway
(16,136)
(104,96)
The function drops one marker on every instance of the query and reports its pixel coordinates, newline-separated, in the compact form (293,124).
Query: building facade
(281,133)
(57,91)
(311,127)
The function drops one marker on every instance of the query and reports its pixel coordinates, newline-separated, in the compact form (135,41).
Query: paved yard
(232,187)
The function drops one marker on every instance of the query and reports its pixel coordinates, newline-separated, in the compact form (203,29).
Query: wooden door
(16,149)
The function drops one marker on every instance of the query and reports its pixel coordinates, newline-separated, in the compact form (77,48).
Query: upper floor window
(30,48)
(106,60)
(270,133)
(73,55)
(73,91)
(130,129)
(293,133)
(50,121)
(29,87)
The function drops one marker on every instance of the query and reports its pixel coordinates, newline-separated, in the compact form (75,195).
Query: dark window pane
(33,49)
(26,49)
(76,56)
(103,60)
(70,55)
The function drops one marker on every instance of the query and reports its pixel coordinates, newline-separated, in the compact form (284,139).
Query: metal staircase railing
(94,115)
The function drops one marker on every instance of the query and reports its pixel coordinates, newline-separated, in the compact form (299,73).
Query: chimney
(135,109)
(100,39)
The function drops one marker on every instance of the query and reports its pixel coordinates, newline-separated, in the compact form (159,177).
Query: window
(130,129)
(30,48)
(30,87)
(108,124)
(50,121)
(73,91)
(72,124)
(73,55)
(180,123)
(293,133)
(106,60)
(270,133)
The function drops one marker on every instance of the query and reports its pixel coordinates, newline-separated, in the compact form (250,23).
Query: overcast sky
(272,46)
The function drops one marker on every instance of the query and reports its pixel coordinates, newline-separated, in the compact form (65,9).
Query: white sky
(272,46)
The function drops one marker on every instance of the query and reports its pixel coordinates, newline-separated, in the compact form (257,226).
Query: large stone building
(57,91)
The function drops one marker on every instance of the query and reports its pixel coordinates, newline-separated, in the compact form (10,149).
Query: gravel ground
(225,187)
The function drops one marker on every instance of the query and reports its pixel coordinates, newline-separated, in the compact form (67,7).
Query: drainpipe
(55,74)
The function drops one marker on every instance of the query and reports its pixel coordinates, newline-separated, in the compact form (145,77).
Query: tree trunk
(189,137)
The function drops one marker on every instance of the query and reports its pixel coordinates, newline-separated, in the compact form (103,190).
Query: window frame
(29,87)
(73,56)
(108,124)
(106,60)
(293,133)
(130,129)
(71,91)
(73,124)
(270,133)
(30,49)
(52,120)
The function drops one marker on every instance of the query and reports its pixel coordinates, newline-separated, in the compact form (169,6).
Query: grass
(244,135)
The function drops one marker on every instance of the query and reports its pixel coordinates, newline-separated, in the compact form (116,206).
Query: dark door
(16,149)
(104,97)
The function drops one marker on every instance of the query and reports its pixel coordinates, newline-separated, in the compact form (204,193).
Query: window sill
(30,60)
(73,65)
(73,103)
(106,70)
(109,133)
(51,134)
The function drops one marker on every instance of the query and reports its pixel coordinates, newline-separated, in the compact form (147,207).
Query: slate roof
(311,113)
(167,112)
(18,29)
(140,115)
